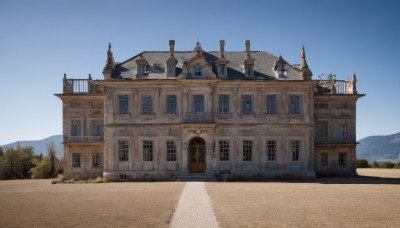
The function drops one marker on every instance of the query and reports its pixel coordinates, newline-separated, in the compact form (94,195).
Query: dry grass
(329,202)
(38,203)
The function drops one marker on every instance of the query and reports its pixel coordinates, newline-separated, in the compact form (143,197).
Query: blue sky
(41,40)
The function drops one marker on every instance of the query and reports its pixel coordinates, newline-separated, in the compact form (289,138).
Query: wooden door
(197,155)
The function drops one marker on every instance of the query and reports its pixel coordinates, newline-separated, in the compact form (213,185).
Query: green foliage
(375,164)
(397,166)
(16,162)
(387,165)
(61,180)
(362,163)
(20,163)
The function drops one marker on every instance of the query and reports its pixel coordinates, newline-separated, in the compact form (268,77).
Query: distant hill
(40,146)
(374,148)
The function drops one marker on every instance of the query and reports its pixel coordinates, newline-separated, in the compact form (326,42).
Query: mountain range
(371,148)
(379,148)
(40,146)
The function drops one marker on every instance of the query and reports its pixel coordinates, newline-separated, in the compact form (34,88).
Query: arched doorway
(197,155)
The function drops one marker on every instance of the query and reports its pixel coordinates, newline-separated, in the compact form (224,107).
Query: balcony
(83,139)
(334,140)
(83,86)
(197,117)
(336,87)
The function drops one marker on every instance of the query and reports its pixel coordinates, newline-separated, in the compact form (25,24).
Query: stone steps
(197,177)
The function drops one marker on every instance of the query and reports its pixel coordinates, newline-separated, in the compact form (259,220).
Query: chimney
(171,48)
(222,48)
(247,44)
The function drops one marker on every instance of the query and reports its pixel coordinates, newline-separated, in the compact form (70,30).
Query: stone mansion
(167,114)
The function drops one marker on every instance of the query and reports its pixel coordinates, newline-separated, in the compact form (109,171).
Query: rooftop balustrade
(81,85)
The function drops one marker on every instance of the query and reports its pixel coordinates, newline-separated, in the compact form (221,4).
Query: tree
(388,165)
(1,151)
(375,164)
(46,167)
(362,163)
(16,162)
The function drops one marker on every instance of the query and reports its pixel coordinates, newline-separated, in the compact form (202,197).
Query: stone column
(185,160)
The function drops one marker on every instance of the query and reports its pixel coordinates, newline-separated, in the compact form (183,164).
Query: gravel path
(194,208)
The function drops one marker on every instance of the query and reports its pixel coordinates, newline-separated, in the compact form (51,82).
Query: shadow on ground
(358,180)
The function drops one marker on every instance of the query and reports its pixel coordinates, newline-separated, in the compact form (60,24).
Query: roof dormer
(222,62)
(141,66)
(197,67)
(248,62)
(171,61)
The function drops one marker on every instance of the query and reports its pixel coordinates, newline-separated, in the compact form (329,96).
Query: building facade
(162,115)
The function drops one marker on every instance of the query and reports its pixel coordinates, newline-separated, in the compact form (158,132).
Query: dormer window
(171,70)
(222,70)
(248,70)
(141,69)
(198,71)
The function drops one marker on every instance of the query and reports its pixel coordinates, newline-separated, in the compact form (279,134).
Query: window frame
(342,159)
(123,108)
(171,108)
(76,160)
(224,150)
(223,104)
(197,105)
(147,105)
(123,150)
(295,104)
(245,99)
(324,160)
(295,150)
(96,130)
(148,150)
(198,71)
(171,151)
(96,160)
(76,129)
(323,128)
(171,71)
(271,104)
(247,150)
(271,148)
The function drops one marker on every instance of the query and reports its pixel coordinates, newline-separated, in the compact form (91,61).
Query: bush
(375,164)
(362,163)
(388,165)
(397,166)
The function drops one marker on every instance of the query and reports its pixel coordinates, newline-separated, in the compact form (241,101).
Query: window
(322,129)
(324,159)
(248,70)
(96,127)
(223,103)
(171,70)
(76,160)
(198,71)
(76,128)
(294,105)
(247,103)
(123,149)
(295,148)
(96,160)
(342,159)
(198,103)
(147,105)
(171,151)
(271,150)
(271,104)
(147,150)
(247,150)
(141,69)
(171,104)
(123,104)
(342,133)
(222,69)
(224,150)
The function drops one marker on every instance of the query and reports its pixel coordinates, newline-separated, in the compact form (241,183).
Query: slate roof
(263,65)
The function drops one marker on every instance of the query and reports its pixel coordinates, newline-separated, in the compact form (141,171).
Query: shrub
(397,166)
(375,164)
(388,165)
(362,163)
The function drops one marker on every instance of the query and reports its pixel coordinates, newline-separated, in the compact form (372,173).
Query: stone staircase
(197,177)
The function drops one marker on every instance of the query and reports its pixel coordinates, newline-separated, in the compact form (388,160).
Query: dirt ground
(38,203)
(372,201)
